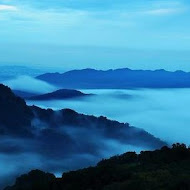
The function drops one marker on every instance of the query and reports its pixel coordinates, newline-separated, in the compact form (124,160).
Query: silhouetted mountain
(59,136)
(166,169)
(15,115)
(59,94)
(24,94)
(35,179)
(108,128)
(118,79)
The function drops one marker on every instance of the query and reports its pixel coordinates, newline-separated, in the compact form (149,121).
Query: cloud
(153,110)
(29,84)
(135,24)
(162,11)
(8,8)
(59,148)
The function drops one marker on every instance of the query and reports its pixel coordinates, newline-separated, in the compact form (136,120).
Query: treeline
(164,169)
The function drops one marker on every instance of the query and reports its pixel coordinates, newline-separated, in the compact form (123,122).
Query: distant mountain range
(118,79)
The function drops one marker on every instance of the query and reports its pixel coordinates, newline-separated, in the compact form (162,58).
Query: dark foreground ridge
(118,79)
(18,119)
(64,140)
(165,169)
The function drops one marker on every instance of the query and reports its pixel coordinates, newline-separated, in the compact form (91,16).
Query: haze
(154,110)
(99,34)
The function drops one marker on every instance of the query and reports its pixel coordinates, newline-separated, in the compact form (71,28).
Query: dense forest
(164,169)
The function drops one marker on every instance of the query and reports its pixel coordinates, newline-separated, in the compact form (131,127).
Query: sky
(102,34)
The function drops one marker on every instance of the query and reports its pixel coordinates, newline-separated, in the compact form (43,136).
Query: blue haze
(98,34)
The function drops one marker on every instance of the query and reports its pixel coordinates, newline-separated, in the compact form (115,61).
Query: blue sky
(146,34)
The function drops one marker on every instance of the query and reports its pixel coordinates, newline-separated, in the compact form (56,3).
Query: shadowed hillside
(166,169)
(18,118)
(15,115)
(62,140)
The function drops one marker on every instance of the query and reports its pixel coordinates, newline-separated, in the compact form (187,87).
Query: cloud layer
(154,110)
(29,84)
(8,8)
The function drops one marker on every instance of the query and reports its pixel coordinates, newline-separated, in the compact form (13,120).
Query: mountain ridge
(22,115)
(59,95)
(118,79)
(166,168)
(62,136)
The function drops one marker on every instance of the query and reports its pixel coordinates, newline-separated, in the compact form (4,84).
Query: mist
(60,148)
(161,112)
(29,84)
(57,150)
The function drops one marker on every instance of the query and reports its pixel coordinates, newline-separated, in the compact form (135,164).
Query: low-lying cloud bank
(29,84)
(57,150)
(58,141)
(162,112)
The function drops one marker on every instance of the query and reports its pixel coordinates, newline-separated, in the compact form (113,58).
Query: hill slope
(118,79)
(166,169)
(18,118)
(60,140)
(15,115)
(24,94)
(59,95)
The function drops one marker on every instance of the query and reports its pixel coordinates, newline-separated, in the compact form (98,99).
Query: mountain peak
(59,95)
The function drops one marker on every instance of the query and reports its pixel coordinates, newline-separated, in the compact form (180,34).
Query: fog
(29,84)
(162,112)
(57,150)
